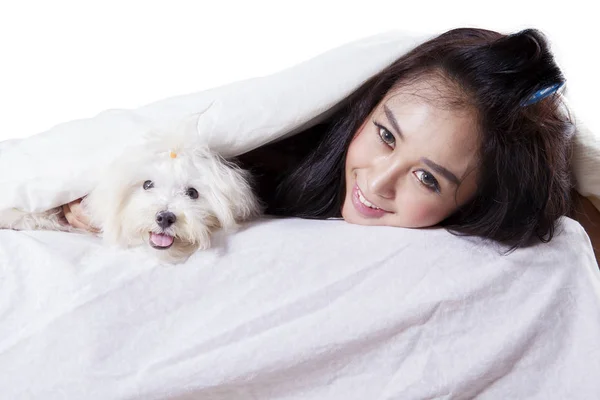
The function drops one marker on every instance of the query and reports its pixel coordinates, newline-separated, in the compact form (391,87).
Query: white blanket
(63,164)
(285,309)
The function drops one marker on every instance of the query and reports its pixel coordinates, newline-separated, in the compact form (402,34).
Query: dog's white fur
(126,213)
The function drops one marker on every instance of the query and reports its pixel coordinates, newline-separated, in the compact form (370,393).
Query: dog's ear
(230,194)
(105,204)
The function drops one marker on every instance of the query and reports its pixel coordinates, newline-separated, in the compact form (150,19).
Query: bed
(284,308)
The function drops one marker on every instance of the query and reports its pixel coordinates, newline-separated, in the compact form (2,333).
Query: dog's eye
(148,185)
(192,193)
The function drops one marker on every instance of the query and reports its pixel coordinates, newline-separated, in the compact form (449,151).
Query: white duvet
(283,309)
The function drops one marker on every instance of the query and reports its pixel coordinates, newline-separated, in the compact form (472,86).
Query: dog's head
(171,199)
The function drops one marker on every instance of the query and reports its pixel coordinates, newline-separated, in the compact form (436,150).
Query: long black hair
(524,181)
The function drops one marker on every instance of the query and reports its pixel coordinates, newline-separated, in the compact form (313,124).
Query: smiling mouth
(362,199)
(161,241)
(364,206)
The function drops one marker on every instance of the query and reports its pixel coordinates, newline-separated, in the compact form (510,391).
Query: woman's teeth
(366,202)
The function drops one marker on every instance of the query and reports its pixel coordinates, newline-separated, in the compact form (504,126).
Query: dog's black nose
(165,219)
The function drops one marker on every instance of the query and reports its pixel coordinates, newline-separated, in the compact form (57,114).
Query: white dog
(169,197)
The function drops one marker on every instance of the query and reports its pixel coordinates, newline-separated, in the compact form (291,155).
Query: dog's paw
(53,220)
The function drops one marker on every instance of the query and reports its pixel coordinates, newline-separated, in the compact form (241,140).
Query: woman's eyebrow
(390,116)
(441,170)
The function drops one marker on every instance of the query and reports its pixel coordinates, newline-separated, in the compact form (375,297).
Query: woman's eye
(192,193)
(427,180)
(148,185)
(386,136)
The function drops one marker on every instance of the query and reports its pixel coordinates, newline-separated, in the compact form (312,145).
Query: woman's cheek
(361,149)
(422,213)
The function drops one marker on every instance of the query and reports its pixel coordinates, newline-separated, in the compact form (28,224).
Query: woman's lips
(359,200)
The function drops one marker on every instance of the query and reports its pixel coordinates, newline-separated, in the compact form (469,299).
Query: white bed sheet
(298,309)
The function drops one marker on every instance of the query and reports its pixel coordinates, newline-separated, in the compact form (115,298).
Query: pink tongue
(161,240)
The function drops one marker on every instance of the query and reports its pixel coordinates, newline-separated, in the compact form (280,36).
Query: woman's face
(412,163)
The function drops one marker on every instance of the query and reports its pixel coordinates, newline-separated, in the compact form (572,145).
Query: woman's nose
(385,177)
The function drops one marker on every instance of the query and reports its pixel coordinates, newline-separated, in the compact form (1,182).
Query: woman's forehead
(448,134)
(414,113)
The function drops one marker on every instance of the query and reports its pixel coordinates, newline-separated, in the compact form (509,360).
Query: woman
(466,131)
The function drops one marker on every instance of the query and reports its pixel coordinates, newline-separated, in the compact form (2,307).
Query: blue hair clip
(542,94)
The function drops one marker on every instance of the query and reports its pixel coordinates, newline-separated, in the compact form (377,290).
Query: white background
(62,60)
